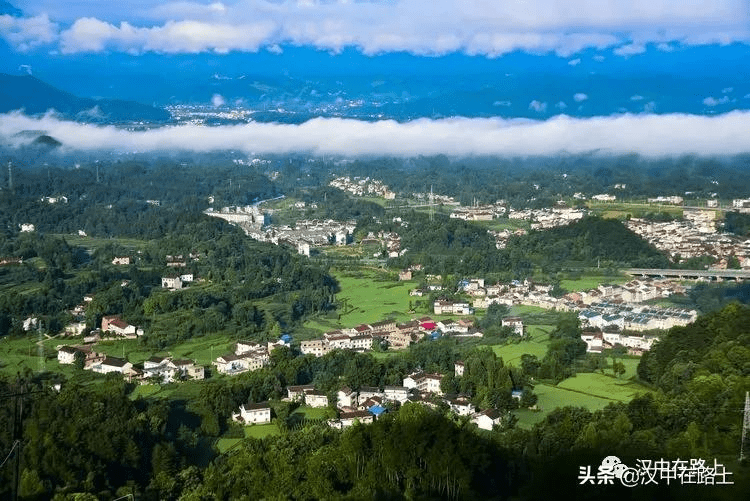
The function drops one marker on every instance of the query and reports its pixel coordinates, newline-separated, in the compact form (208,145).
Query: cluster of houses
(389,241)
(542,219)
(161,369)
(368,403)
(668,200)
(632,317)
(363,186)
(306,234)
(695,236)
(485,212)
(250,216)
(442,307)
(362,337)
(176,282)
(502,236)
(247,356)
(598,340)
(398,336)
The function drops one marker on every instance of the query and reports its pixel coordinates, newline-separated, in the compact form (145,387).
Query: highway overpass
(690,274)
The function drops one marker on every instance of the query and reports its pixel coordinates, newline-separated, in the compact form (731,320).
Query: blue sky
(404,60)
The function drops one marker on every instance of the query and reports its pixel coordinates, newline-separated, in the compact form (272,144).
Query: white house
(171,283)
(458,368)
(116,325)
(515,323)
(259,413)
(121,260)
(347,419)
(487,419)
(346,397)
(461,406)
(112,364)
(396,393)
(66,354)
(316,399)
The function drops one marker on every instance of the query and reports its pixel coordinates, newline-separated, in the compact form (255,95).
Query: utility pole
(10,176)
(745,425)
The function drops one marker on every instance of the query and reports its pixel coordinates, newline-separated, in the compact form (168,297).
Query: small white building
(487,419)
(171,283)
(458,368)
(66,354)
(515,323)
(396,393)
(316,399)
(259,413)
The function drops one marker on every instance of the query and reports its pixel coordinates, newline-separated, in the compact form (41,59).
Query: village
(368,403)
(693,237)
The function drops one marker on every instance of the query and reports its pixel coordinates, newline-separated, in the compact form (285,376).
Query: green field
(590,282)
(511,353)
(369,296)
(251,431)
(203,350)
(590,390)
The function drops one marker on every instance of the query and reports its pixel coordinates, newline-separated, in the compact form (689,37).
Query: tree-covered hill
(588,241)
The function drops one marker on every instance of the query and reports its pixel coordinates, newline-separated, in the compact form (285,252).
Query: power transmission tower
(432,207)
(10,176)
(745,425)
(40,348)
(16,429)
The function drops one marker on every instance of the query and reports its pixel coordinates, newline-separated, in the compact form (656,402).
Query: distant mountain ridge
(35,97)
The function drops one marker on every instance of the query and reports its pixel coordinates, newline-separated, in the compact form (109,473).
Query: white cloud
(501,103)
(636,97)
(579,97)
(538,106)
(646,134)
(217,100)
(712,101)
(574,62)
(25,33)
(561,105)
(93,35)
(484,27)
(727,90)
(599,58)
(630,50)
(665,47)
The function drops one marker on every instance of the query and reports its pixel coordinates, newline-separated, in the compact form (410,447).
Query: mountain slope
(36,97)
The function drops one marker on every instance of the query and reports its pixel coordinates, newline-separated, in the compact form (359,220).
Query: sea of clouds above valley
(650,135)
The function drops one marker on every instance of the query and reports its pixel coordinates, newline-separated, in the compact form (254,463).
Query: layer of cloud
(29,32)
(650,135)
(482,27)
(580,97)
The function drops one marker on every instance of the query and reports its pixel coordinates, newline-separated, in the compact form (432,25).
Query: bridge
(690,274)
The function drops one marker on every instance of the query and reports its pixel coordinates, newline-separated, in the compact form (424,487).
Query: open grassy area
(367,296)
(588,282)
(17,354)
(590,390)
(537,345)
